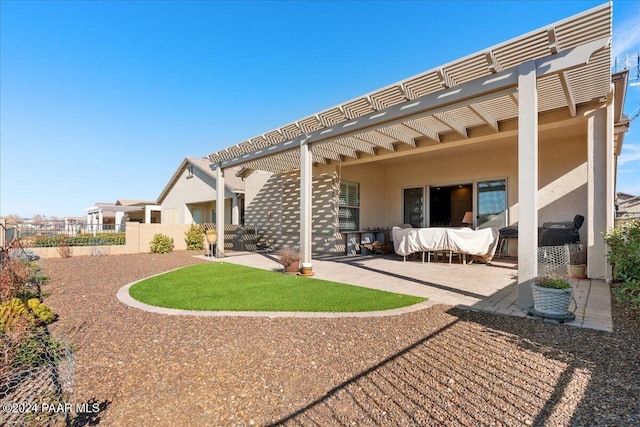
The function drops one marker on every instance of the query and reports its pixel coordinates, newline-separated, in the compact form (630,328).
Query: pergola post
(220,211)
(235,210)
(611,179)
(527,182)
(597,189)
(305,202)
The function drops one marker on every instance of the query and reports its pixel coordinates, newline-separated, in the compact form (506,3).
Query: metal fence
(36,388)
(56,235)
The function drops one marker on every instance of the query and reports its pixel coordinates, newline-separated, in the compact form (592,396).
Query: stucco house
(190,197)
(520,133)
(627,205)
(103,216)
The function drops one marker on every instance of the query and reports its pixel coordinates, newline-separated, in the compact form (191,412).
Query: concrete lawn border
(125,298)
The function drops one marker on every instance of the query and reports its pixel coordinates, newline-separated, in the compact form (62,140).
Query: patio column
(100,219)
(611,179)
(597,189)
(147,214)
(527,182)
(220,211)
(118,221)
(305,202)
(235,210)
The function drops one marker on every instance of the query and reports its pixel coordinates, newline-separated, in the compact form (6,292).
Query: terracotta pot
(577,271)
(294,267)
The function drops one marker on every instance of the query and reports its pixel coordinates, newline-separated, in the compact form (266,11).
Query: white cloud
(630,153)
(626,36)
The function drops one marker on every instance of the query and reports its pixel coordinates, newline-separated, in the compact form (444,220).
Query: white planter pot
(554,302)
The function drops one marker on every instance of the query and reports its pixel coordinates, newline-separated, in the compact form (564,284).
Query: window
(190,171)
(413,203)
(197,216)
(349,206)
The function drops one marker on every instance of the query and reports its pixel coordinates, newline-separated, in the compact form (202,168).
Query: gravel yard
(438,366)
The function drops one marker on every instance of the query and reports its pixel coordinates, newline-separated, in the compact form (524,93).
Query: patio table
(482,243)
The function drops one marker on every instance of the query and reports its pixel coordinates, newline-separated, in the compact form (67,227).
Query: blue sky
(103,100)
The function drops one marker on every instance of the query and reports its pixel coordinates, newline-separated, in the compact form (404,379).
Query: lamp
(468,218)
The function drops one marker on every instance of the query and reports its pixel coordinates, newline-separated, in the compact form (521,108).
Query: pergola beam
(486,87)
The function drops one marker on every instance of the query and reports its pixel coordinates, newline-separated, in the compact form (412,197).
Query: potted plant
(577,262)
(290,259)
(552,296)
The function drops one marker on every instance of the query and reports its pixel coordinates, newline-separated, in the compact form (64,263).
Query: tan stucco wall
(272,207)
(562,180)
(562,188)
(196,190)
(138,238)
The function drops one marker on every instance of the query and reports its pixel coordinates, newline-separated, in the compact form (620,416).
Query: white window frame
(355,208)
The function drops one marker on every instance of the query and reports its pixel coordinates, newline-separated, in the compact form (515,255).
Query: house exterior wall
(272,207)
(197,190)
(272,201)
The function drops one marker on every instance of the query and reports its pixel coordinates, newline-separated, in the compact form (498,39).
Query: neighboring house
(190,197)
(520,133)
(627,205)
(112,216)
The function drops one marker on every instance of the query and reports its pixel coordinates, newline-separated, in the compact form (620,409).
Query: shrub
(65,251)
(288,256)
(194,237)
(24,255)
(161,244)
(14,312)
(82,239)
(13,275)
(553,282)
(36,348)
(42,313)
(624,255)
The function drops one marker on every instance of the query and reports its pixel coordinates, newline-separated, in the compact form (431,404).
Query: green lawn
(224,286)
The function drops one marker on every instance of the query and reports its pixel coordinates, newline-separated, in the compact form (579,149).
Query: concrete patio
(487,288)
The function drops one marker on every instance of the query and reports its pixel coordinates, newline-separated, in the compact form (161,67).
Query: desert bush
(14,274)
(624,255)
(65,251)
(41,312)
(14,312)
(24,255)
(161,244)
(288,256)
(83,239)
(194,237)
(31,348)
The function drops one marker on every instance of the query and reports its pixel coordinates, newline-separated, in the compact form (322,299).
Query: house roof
(566,89)
(129,202)
(625,199)
(232,182)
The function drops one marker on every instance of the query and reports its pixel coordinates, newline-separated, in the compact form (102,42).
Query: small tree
(194,237)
